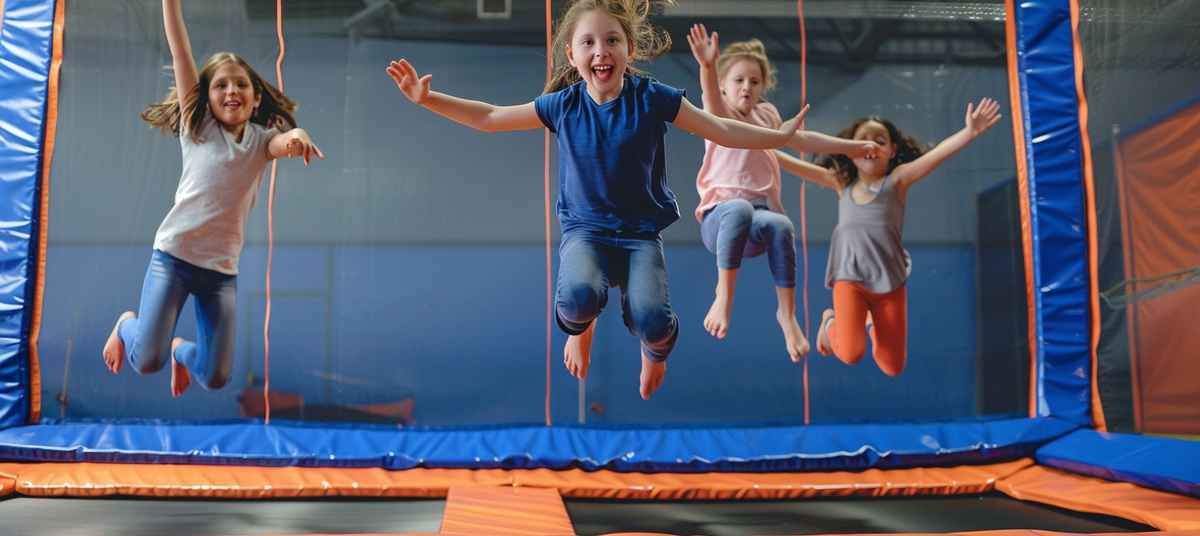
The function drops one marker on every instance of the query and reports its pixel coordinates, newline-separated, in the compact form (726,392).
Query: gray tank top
(866,244)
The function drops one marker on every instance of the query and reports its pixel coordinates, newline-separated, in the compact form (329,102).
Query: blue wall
(462,330)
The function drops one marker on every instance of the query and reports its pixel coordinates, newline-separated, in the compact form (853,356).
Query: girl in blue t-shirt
(613,197)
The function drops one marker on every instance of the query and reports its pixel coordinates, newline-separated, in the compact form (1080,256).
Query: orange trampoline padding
(1162,510)
(150,480)
(8,483)
(505,510)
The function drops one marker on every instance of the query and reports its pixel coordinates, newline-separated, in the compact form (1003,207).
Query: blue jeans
(736,230)
(590,262)
(147,337)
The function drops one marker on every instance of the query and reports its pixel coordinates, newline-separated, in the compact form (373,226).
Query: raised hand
(416,88)
(704,46)
(792,125)
(983,117)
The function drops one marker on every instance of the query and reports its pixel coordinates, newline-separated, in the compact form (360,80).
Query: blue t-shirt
(612,172)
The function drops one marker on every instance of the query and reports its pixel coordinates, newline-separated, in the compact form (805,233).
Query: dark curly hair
(908,148)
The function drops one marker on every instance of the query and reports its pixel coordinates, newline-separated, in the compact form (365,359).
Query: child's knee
(654,326)
(217,381)
(785,233)
(149,366)
(658,338)
(850,356)
(142,365)
(890,364)
(780,234)
(662,328)
(581,302)
(850,350)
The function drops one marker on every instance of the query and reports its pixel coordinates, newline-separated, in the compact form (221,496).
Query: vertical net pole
(271,232)
(803,201)
(546,196)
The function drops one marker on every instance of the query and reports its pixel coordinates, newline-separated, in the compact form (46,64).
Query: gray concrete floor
(62,516)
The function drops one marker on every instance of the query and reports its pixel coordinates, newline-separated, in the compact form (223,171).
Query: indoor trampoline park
(362,317)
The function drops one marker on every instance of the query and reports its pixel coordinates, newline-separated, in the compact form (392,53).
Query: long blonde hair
(752,50)
(274,110)
(649,42)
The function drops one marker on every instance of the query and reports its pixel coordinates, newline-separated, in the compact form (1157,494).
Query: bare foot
(823,344)
(717,321)
(652,376)
(577,355)
(797,343)
(114,349)
(180,377)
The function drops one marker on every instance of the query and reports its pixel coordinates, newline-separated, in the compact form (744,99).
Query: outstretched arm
(815,142)
(978,120)
(808,171)
(706,50)
(186,78)
(294,142)
(733,133)
(475,114)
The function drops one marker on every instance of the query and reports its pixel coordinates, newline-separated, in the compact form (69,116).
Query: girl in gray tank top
(868,266)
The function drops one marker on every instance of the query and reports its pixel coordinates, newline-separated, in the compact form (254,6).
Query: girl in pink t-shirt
(740,211)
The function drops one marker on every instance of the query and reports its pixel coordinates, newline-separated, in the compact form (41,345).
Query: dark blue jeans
(590,262)
(736,230)
(147,337)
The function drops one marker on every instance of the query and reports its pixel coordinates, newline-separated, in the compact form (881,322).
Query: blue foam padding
(1156,462)
(659,448)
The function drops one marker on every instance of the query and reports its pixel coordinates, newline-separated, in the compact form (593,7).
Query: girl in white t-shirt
(230,124)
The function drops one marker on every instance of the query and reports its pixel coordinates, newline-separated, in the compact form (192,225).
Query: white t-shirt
(216,191)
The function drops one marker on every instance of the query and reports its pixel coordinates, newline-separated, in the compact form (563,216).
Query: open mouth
(602,72)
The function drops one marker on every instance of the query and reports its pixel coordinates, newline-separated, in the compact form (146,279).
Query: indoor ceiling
(849,33)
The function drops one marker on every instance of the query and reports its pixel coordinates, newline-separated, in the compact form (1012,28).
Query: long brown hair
(649,42)
(752,50)
(274,109)
(908,148)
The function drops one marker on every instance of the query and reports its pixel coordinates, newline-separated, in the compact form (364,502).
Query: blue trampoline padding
(1157,462)
(658,448)
(25,55)
(1058,231)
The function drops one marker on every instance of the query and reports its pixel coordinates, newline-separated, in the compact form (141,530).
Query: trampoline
(1028,392)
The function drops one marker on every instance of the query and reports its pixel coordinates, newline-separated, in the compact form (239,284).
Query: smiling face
(874,168)
(599,50)
(231,97)
(742,85)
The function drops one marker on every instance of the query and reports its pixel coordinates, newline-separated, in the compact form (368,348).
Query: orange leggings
(889,335)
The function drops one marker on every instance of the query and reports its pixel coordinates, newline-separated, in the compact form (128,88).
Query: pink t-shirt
(741,173)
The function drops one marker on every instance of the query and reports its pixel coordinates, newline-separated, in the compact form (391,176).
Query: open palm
(704,46)
(416,88)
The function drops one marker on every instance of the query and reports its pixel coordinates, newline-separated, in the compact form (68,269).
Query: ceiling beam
(841,9)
